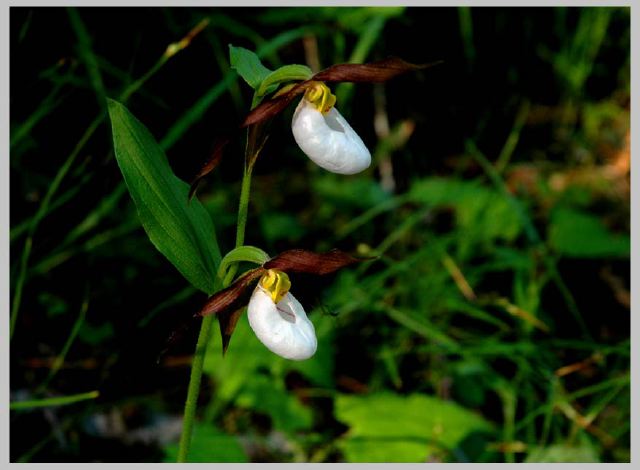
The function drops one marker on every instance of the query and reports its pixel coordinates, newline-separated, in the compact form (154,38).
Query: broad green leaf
(248,66)
(580,234)
(360,193)
(286,73)
(474,205)
(386,427)
(245,356)
(209,445)
(95,335)
(179,229)
(270,397)
(563,454)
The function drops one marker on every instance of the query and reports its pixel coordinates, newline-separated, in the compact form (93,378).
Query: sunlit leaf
(579,234)
(385,427)
(474,205)
(180,230)
(286,411)
(563,454)
(210,445)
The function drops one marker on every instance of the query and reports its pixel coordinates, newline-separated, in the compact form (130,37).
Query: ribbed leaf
(179,229)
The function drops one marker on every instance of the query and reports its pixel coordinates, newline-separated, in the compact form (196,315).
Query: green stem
(194,388)
(243,206)
(205,329)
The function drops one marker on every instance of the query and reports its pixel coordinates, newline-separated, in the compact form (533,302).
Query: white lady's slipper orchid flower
(278,319)
(325,136)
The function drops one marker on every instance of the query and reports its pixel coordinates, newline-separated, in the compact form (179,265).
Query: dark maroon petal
(375,72)
(304,261)
(210,164)
(228,321)
(234,296)
(270,108)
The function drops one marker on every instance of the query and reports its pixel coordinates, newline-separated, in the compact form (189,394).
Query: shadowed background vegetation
(494,326)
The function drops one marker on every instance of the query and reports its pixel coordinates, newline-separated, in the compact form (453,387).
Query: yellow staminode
(321,97)
(276,283)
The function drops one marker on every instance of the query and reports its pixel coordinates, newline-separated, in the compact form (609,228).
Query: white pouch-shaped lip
(283,327)
(329,140)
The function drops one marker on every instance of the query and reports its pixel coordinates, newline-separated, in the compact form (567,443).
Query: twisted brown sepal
(233,296)
(228,304)
(211,163)
(308,262)
(373,72)
(228,321)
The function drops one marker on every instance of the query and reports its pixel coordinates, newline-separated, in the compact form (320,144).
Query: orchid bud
(278,319)
(325,136)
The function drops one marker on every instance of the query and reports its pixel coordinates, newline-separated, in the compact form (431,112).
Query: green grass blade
(59,360)
(87,55)
(55,401)
(40,214)
(360,52)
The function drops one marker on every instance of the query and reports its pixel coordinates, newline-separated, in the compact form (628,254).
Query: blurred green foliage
(494,324)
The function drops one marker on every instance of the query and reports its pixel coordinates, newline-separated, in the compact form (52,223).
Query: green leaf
(579,234)
(286,73)
(208,445)
(248,66)
(95,335)
(269,397)
(250,254)
(563,454)
(474,205)
(386,427)
(179,229)
(361,193)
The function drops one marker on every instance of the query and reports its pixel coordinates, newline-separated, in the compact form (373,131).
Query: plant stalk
(205,328)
